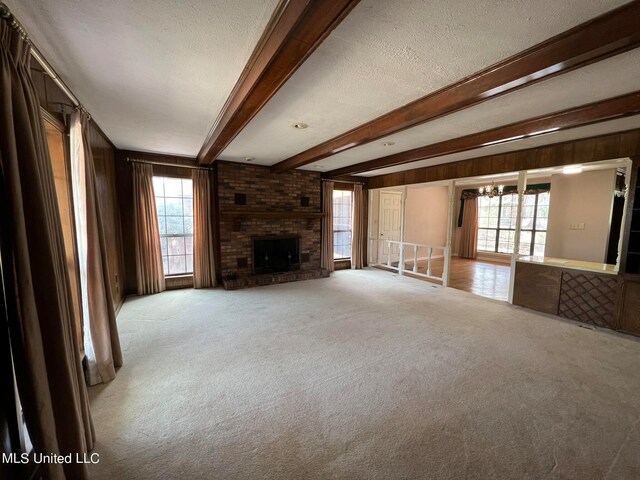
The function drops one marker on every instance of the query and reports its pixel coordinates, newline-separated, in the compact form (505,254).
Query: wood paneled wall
(125,197)
(605,147)
(106,185)
(51,97)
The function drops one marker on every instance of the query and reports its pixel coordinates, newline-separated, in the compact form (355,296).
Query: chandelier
(491,190)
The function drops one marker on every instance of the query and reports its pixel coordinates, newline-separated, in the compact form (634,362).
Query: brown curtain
(204,270)
(150,276)
(326,254)
(47,358)
(101,340)
(469,233)
(357,231)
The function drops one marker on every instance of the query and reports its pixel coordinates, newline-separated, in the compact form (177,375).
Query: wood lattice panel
(589,298)
(630,321)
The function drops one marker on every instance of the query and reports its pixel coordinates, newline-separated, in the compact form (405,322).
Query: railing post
(522,186)
(625,219)
(450,227)
(389,254)
(401,258)
(445,270)
(415,259)
(429,251)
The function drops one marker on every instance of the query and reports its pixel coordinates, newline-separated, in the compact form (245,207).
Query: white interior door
(390,224)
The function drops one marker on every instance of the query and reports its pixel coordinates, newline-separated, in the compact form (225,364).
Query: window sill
(174,282)
(342,264)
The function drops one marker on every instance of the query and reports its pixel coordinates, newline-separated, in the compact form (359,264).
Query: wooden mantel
(270,214)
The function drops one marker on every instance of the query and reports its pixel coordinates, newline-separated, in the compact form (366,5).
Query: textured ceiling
(385,54)
(154,74)
(589,84)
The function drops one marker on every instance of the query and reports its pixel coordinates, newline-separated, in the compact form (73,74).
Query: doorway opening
(561,215)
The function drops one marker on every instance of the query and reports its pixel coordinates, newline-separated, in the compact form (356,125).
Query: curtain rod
(341,181)
(164,164)
(13,22)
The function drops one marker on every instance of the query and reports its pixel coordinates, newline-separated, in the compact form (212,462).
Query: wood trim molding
(52,120)
(294,31)
(269,214)
(617,107)
(104,135)
(602,37)
(604,147)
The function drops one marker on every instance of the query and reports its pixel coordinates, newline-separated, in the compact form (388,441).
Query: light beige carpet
(365,375)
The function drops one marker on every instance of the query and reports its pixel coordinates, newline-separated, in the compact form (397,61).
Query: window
(497,223)
(174,203)
(342,215)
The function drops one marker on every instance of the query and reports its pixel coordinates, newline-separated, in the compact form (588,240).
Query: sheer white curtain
(78,183)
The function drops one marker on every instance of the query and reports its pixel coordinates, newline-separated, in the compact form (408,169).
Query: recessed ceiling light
(573,169)
(300,126)
(249,159)
(317,166)
(388,144)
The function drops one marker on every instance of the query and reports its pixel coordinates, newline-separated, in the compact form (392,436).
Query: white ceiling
(585,85)
(154,74)
(386,54)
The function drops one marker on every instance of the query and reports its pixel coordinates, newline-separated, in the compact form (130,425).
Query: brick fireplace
(254,203)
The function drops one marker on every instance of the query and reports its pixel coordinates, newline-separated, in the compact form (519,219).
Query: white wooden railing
(405,257)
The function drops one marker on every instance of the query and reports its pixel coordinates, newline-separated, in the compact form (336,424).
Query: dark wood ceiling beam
(295,30)
(622,106)
(610,34)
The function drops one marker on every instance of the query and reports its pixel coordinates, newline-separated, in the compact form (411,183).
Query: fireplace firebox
(275,254)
